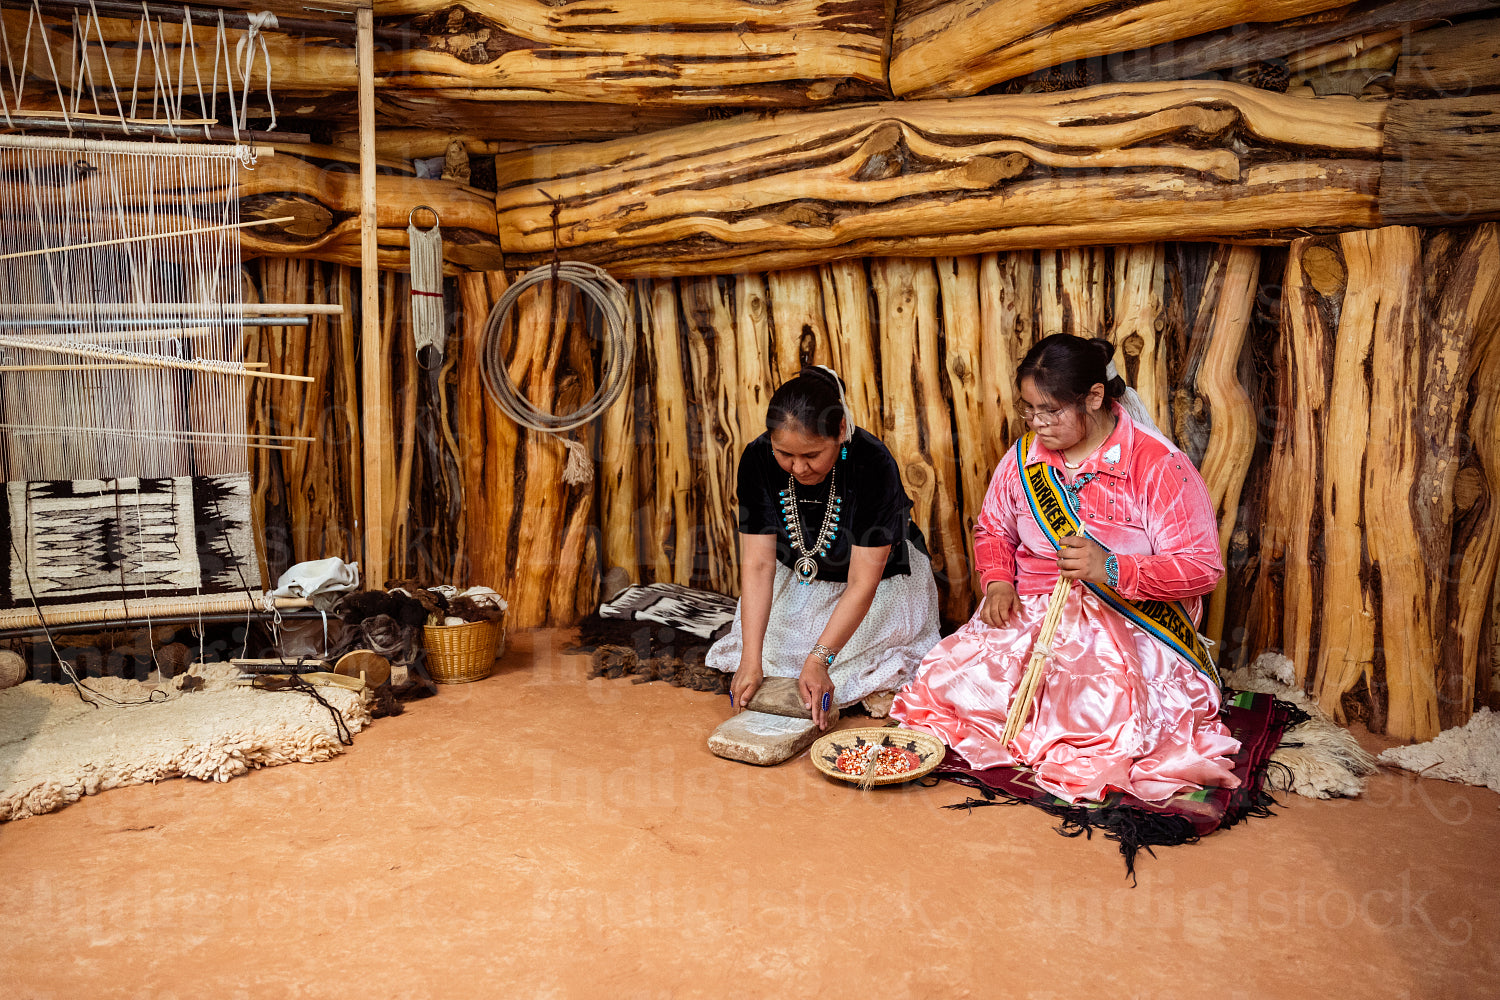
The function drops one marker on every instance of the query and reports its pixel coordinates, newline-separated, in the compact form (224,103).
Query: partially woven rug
(55,748)
(1256,719)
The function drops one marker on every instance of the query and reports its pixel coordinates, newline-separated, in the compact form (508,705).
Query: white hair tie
(843,405)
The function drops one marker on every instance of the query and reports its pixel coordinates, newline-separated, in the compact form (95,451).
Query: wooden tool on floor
(374,668)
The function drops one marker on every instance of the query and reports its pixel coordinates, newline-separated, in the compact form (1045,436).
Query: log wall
(1341,399)
(926,345)
(1375,565)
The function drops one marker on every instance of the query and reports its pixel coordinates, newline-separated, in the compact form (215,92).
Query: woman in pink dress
(1130,698)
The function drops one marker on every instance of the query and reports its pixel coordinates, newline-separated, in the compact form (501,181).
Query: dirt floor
(539,834)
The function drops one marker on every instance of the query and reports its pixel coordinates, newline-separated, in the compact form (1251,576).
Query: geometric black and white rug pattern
(93,541)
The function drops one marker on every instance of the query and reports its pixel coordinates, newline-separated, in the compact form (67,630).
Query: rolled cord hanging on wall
(619,353)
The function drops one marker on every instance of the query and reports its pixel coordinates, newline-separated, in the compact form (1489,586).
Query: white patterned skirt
(882,655)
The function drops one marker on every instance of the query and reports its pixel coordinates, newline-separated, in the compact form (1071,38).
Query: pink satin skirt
(1117,710)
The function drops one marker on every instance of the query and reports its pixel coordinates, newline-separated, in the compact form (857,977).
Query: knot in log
(1325,270)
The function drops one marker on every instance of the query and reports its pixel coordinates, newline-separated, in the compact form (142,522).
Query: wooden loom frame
(374,376)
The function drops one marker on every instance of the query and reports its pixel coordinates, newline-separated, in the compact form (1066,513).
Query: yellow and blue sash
(1056,513)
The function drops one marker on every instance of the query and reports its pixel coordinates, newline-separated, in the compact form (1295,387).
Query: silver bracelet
(824,652)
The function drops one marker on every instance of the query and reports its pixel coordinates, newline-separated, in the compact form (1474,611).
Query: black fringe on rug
(648,651)
(1134,829)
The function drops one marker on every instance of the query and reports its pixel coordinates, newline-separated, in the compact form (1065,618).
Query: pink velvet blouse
(1146,504)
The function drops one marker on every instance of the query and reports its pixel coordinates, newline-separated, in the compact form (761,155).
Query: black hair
(813,400)
(1064,368)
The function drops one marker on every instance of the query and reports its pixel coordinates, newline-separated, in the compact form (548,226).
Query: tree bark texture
(954,48)
(711,52)
(1368,565)
(1458,60)
(706,52)
(1245,44)
(1100,166)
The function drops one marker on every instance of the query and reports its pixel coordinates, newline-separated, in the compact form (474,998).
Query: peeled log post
(619,507)
(958,284)
(917,428)
(539,495)
(1469,662)
(1288,586)
(1218,338)
(1403,550)
(1345,649)
(846,306)
(346,377)
(1463,355)
(574,586)
(1099,166)
(670,540)
(753,325)
(1070,285)
(953,48)
(797,322)
(1140,331)
(487,444)
(379,431)
(712,354)
(1007,324)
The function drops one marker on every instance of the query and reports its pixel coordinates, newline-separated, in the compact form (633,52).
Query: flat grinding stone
(761,738)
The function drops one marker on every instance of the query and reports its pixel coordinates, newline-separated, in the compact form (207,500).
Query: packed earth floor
(541,834)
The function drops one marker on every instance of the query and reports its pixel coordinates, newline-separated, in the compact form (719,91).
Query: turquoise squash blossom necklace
(806,566)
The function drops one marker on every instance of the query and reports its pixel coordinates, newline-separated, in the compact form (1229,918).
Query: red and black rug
(1257,720)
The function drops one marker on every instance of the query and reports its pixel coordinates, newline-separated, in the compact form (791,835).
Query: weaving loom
(122,375)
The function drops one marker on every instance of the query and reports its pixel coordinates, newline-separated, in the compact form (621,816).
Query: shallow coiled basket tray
(458,654)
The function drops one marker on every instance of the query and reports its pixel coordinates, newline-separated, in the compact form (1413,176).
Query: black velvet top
(875,510)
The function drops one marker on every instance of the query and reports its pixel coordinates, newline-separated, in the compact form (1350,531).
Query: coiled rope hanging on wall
(619,352)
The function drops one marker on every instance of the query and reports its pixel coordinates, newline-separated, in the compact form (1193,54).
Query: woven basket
(928,748)
(458,654)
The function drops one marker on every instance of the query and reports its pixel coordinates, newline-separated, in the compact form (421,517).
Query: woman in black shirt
(835,585)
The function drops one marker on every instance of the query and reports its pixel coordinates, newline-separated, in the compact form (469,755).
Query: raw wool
(55,749)
(1469,753)
(1319,758)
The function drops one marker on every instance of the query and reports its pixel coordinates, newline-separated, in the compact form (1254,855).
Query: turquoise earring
(844,451)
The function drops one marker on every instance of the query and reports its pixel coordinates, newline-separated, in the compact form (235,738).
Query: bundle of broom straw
(1031,680)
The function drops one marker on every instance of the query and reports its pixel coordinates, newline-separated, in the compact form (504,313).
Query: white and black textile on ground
(659,631)
(72,544)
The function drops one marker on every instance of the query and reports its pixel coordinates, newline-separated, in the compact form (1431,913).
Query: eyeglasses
(1040,417)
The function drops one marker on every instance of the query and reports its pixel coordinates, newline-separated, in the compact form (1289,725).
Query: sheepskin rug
(1319,758)
(1469,753)
(55,749)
